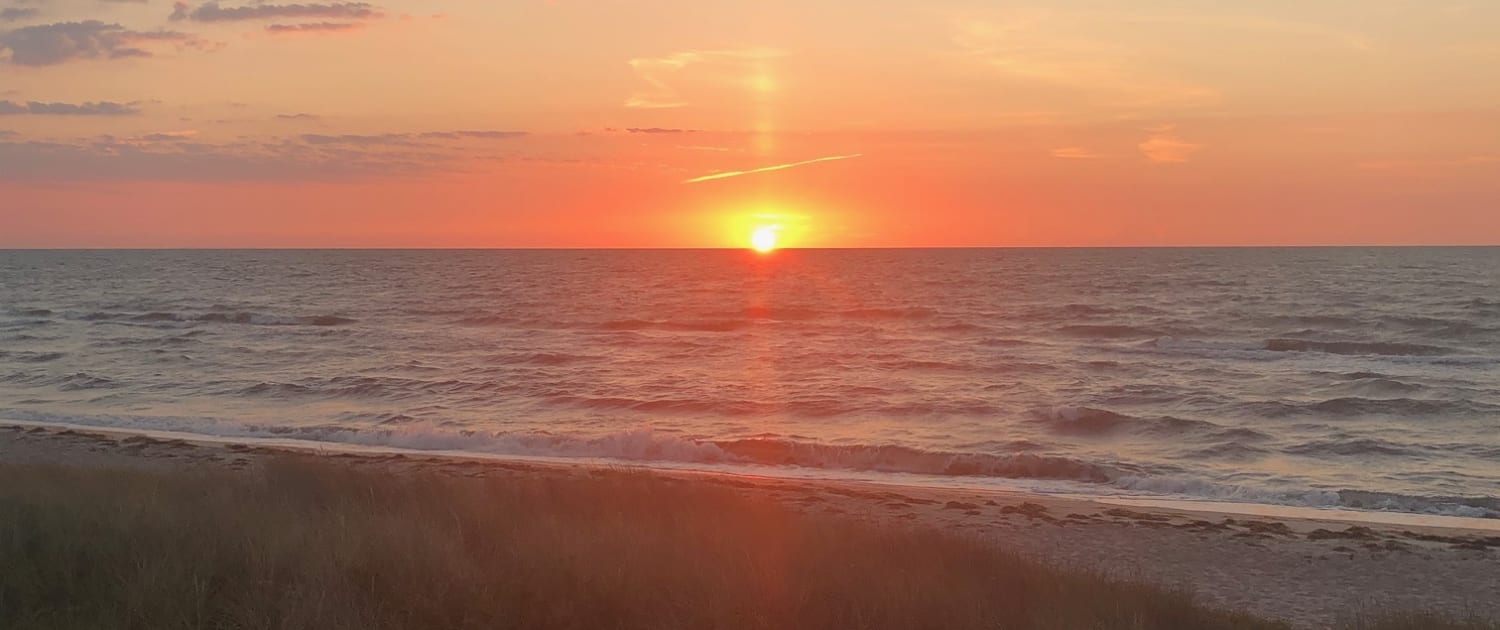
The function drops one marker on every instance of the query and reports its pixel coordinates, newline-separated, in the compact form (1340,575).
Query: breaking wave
(1356,348)
(647,446)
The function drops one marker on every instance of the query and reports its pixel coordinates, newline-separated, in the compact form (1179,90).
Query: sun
(763,239)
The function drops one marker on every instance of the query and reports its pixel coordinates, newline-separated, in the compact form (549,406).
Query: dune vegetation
(296,543)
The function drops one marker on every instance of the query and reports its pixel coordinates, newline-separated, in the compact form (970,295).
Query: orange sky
(648,123)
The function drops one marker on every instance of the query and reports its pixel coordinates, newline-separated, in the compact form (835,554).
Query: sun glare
(763,239)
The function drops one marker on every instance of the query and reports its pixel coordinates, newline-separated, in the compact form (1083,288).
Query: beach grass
(299,542)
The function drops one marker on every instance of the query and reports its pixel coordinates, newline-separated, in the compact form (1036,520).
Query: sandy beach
(1303,571)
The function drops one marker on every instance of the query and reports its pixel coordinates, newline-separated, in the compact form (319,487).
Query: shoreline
(964,485)
(1295,569)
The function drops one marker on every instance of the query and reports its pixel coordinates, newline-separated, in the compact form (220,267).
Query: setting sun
(763,239)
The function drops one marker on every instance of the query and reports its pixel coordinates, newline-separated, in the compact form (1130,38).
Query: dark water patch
(1110,331)
(772,313)
(909,313)
(487,320)
(1477,507)
(26,356)
(185,338)
(81,381)
(1356,347)
(77,381)
(26,324)
(364,387)
(1368,387)
(1047,313)
(926,365)
(958,328)
(29,312)
(1317,321)
(213,317)
(664,405)
(1438,327)
(1092,421)
(1354,406)
(719,326)
(1004,342)
(1229,451)
(382,419)
(1483,306)
(1346,447)
(543,359)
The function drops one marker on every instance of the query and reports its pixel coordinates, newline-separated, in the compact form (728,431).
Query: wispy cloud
(768,169)
(1067,51)
(11,14)
(658,73)
(214,12)
(1074,153)
(312,28)
(101,108)
(1164,145)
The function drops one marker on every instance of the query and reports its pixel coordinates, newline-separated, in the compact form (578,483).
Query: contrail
(767,169)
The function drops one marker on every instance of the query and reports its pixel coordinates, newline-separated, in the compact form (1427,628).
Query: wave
(1358,406)
(1357,348)
(1110,331)
(1070,420)
(1380,387)
(1351,448)
(29,312)
(1198,488)
(717,325)
(646,445)
(213,317)
(904,459)
(914,312)
(24,356)
(382,387)
(77,381)
(774,313)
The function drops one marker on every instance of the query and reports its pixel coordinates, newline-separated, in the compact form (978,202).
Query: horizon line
(735,248)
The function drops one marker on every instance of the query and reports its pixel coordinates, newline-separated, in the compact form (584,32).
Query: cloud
(406,139)
(656,71)
(49,44)
(1074,153)
(487,135)
(299,116)
(101,108)
(1072,52)
(170,136)
(214,12)
(1163,145)
(11,14)
(355,139)
(655,130)
(313,27)
(768,169)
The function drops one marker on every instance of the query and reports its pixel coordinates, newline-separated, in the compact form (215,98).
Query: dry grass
(305,544)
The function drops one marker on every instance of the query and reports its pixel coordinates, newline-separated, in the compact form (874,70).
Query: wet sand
(1303,570)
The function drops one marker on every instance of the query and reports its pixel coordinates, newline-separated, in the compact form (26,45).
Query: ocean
(1361,378)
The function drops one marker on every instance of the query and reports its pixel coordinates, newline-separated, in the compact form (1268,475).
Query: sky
(676,123)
